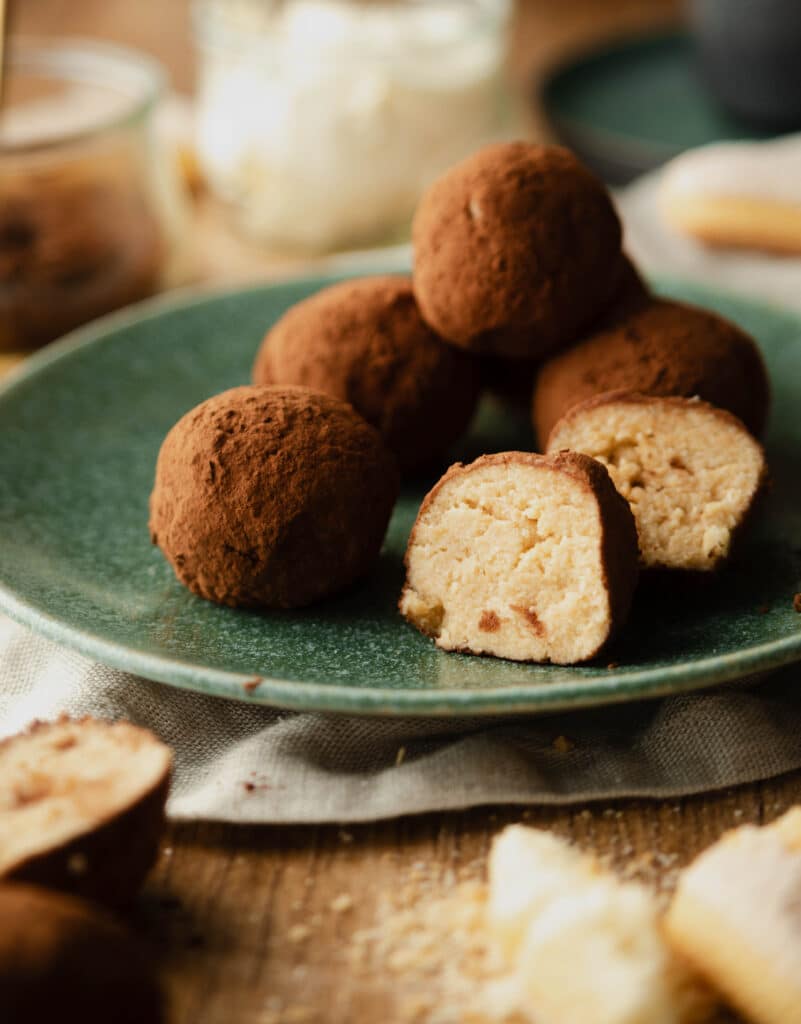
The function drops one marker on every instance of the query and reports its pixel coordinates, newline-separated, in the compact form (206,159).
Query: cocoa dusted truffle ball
(62,960)
(512,380)
(660,348)
(516,249)
(272,496)
(522,556)
(691,473)
(365,342)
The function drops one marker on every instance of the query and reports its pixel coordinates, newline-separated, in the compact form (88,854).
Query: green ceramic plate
(628,108)
(80,428)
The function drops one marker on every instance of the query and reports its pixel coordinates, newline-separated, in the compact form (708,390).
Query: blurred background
(161,143)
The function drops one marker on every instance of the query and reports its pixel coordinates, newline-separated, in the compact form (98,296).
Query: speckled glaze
(80,427)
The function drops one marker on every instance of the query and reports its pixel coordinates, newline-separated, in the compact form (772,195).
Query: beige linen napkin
(240,763)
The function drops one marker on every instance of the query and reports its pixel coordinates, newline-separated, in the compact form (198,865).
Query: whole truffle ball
(661,348)
(512,380)
(364,341)
(515,250)
(273,497)
(63,960)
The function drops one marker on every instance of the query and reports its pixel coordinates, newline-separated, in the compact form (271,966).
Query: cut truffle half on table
(82,806)
(522,556)
(691,472)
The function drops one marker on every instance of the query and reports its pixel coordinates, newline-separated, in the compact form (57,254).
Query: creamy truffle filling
(688,473)
(506,560)
(58,783)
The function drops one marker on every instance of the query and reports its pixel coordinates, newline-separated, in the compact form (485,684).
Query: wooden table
(258,925)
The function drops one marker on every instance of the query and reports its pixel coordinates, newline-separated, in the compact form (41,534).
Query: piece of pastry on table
(742,195)
(735,917)
(584,947)
(690,472)
(522,556)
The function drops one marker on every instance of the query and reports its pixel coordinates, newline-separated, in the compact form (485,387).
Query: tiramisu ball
(516,250)
(63,960)
(522,556)
(690,472)
(660,348)
(365,342)
(272,496)
(512,380)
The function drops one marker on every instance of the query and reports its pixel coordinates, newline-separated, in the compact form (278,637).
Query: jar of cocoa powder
(90,211)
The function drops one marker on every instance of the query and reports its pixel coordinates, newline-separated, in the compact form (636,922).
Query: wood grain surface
(258,925)
(224,906)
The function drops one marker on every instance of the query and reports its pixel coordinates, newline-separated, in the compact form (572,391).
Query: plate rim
(511,699)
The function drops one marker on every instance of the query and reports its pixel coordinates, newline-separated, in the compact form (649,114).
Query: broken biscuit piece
(582,945)
(522,556)
(690,472)
(82,806)
(735,917)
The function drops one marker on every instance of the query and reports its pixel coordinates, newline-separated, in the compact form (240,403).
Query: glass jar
(321,121)
(89,208)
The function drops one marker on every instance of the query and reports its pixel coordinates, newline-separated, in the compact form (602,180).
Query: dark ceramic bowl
(749,54)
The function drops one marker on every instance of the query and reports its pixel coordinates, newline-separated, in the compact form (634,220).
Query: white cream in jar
(320,121)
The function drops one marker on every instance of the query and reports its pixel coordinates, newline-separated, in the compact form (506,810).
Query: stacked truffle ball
(518,255)
(279,494)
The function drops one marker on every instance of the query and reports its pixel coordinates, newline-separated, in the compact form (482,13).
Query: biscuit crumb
(298,933)
(342,903)
(562,745)
(400,756)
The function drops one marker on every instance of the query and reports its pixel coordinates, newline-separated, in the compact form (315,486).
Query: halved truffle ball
(522,556)
(660,348)
(365,342)
(272,497)
(62,960)
(690,472)
(82,806)
(516,250)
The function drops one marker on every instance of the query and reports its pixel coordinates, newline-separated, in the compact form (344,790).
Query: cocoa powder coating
(512,380)
(65,961)
(272,496)
(365,342)
(661,348)
(516,250)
